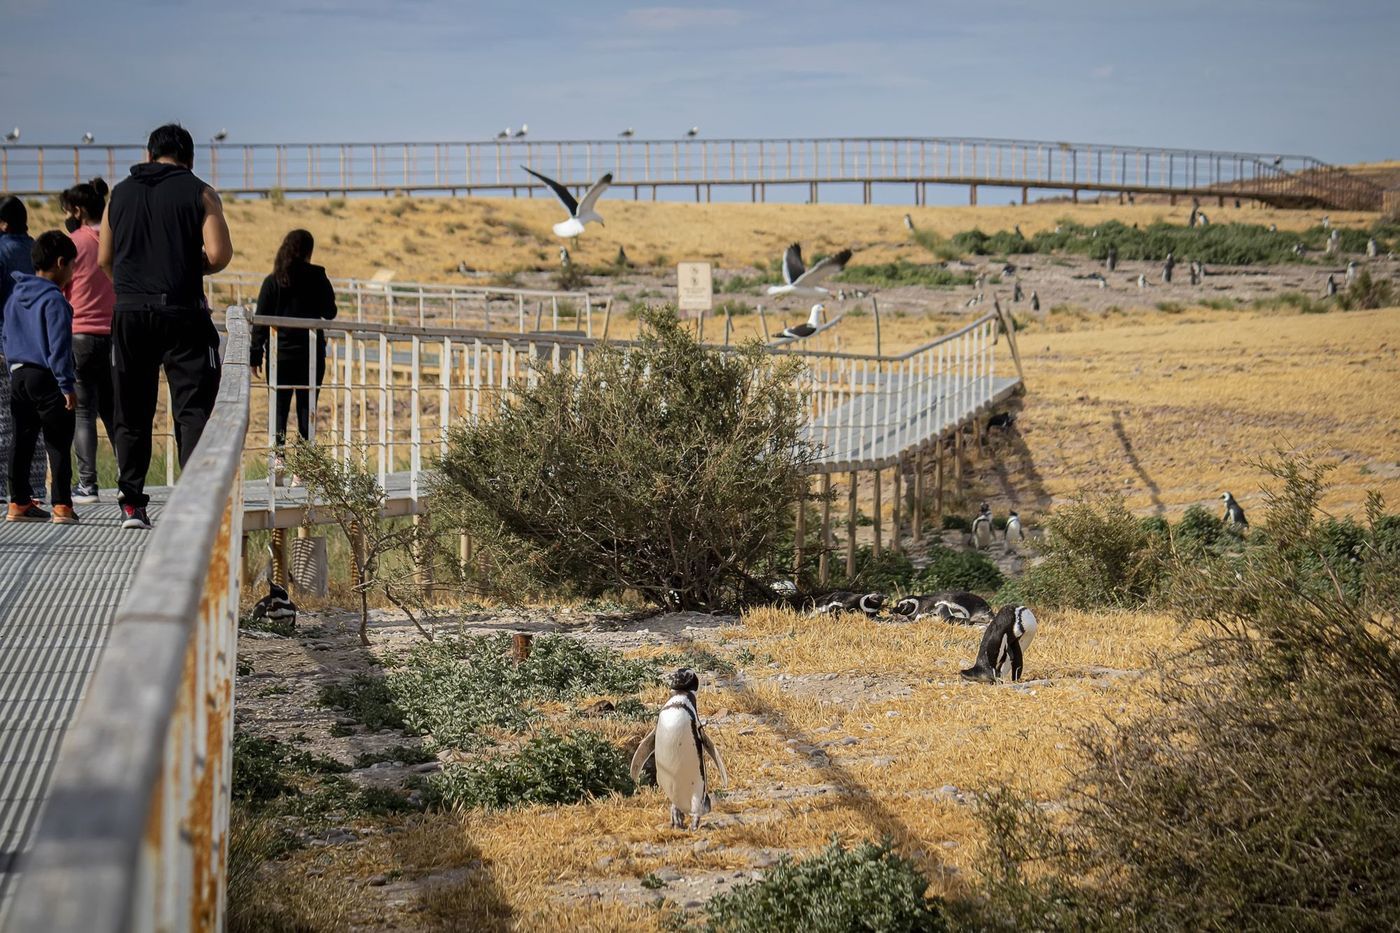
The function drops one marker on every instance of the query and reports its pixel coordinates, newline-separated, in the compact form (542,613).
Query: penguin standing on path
(679,745)
(1234,515)
(982,528)
(1002,652)
(1014,534)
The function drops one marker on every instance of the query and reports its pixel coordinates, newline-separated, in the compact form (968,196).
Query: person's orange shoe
(25,512)
(64,515)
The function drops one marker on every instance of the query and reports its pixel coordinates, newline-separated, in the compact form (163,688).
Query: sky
(1315,78)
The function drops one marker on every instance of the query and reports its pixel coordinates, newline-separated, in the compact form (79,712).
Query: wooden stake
(279,556)
(918,517)
(800,541)
(520,646)
(938,486)
(851,525)
(895,545)
(824,561)
(879,544)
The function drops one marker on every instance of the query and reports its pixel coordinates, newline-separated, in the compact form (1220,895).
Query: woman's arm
(266,305)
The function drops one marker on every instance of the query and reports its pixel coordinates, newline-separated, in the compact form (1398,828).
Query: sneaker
(134,516)
(84,495)
(64,515)
(26,512)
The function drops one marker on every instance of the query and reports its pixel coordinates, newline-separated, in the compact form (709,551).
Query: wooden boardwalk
(59,591)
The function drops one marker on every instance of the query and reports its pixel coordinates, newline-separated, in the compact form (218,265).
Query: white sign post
(695,292)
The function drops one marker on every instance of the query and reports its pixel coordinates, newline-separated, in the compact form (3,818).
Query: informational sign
(694,287)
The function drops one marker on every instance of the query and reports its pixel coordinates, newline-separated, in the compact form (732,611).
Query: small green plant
(653,883)
(1367,293)
(284,627)
(868,887)
(1094,558)
(408,754)
(959,570)
(549,769)
(367,699)
(277,196)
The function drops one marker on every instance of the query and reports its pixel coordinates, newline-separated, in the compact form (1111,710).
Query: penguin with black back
(1234,515)
(950,605)
(841,601)
(678,746)
(1002,651)
(276,606)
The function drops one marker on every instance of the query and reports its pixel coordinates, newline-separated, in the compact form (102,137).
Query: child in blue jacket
(37,323)
(15,247)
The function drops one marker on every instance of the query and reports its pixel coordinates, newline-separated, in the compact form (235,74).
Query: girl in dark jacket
(295,288)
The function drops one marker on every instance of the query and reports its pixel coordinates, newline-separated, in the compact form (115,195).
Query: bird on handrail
(804,330)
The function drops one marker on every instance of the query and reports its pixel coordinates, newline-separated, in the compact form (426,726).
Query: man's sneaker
(134,516)
(84,495)
(64,515)
(26,512)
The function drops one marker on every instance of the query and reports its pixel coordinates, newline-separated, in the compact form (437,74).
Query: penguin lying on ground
(277,606)
(679,746)
(842,601)
(950,606)
(1002,651)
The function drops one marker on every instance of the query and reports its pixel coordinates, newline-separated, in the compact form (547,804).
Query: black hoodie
(157,221)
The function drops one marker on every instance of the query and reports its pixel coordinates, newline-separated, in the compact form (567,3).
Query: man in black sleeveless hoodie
(163,231)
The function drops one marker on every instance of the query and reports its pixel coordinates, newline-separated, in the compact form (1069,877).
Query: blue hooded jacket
(38,328)
(14,257)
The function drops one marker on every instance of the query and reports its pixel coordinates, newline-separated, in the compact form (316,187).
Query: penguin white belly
(678,772)
(1028,626)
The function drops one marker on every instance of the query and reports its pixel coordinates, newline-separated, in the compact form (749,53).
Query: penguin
(276,606)
(1373,249)
(622,259)
(1014,534)
(982,528)
(1167,266)
(1234,515)
(1202,219)
(842,601)
(679,746)
(1142,281)
(949,605)
(1019,234)
(1016,293)
(1003,647)
(1331,286)
(1035,301)
(1351,273)
(1112,261)
(908,223)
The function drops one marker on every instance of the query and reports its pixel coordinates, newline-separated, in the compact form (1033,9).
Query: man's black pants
(186,345)
(35,403)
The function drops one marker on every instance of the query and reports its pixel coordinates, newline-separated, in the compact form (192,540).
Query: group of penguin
(677,748)
(1002,650)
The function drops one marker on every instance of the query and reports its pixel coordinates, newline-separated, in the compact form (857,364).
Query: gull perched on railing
(581,213)
(12,135)
(805,330)
(799,280)
(627,133)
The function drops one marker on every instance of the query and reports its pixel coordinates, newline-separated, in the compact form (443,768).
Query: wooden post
(958,457)
(422,564)
(279,556)
(895,545)
(875,303)
(357,550)
(464,552)
(800,537)
(824,561)
(520,646)
(938,487)
(879,544)
(246,562)
(851,525)
(607,317)
(918,515)
(763,323)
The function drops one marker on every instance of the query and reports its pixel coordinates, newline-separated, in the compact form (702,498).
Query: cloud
(672,18)
(1102,73)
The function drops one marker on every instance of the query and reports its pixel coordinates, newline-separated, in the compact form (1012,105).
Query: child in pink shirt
(92,297)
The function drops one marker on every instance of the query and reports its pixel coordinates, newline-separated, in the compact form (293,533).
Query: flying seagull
(581,213)
(693,132)
(627,133)
(219,136)
(799,280)
(524,128)
(88,138)
(12,135)
(804,330)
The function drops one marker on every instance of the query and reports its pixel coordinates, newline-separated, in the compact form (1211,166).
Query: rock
(950,789)
(702,846)
(385,765)
(949,843)
(598,708)
(427,767)
(377,881)
(338,837)
(891,714)
(692,904)
(848,740)
(604,862)
(669,874)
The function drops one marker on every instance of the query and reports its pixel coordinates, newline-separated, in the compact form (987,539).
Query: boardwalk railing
(642,165)
(389,391)
(456,306)
(134,836)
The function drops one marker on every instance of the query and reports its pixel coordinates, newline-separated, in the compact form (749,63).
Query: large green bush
(959,570)
(1263,792)
(668,468)
(1096,555)
(549,769)
(839,890)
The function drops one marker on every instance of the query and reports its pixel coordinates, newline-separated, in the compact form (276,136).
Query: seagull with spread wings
(799,280)
(581,213)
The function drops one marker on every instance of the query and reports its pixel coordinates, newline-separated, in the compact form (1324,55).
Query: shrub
(668,468)
(960,570)
(1263,792)
(367,699)
(1199,530)
(903,272)
(1366,293)
(1095,556)
(868,887)
(549,769)
(957,523)
(938,245)
(454,688)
